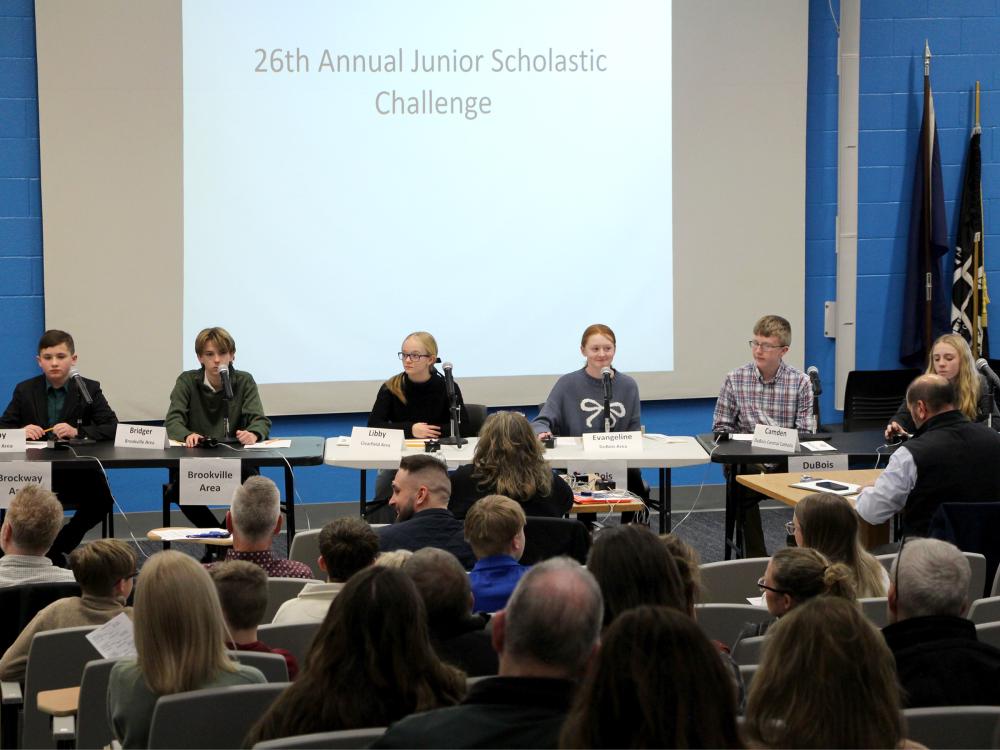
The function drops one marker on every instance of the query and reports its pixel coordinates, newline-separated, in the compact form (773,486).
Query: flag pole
(977,289)
(928,147)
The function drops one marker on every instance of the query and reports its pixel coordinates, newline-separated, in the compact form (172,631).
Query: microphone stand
(607,405)
(456,438)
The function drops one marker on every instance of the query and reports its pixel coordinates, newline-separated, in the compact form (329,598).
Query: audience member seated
(657,682)
(420,492)
(939,660)
(633,567)
(242,589)
(254,518)
(509,461)
(546,637)
(105,570)
(346,545)
(826,679)
(395,559)
(494,528)
(793,576)
(370,664)
(827,523)
(459,637)
(180,639)
(31,524)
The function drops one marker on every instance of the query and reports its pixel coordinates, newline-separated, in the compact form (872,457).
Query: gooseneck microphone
(449,380)
(813,372)
(227,383)
(984,367)
(84,393)
(453,407)
(606,377)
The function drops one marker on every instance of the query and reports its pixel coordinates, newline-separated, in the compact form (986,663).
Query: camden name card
(376,442)
(17,474)
(609,443)
(775,438)
(141,436)
(209,481)
(12,441)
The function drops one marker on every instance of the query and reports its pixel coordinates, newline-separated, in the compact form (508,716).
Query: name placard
(775,438)
(141,436)
(829,462)
(612,442)
(17,474)
(209,481)
(376,442)
(12,441)
(608,471)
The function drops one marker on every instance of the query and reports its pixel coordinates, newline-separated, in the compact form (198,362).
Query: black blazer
(29,405)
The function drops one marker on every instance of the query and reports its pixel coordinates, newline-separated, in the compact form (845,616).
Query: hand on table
(192,440)
(424,430)
(33,432)
(246,437)
(64,431)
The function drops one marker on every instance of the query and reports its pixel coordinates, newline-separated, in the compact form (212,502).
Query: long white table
(658,452)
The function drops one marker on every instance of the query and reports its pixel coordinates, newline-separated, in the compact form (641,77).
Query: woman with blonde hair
(952,359)
(180,640)
(508,461)
(827,523)
(416,402)
(826,679)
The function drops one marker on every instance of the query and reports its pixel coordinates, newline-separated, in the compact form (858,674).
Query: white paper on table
(665,438)
(36,444)
(176,443)
(567,442)
(817,445)
(744,436)
(344,441)
(274,443)
(180,534)
(757,601)
(114,639)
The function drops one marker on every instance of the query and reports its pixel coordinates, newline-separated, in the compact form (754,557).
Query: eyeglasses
(764,346)
(413,356)
(764,587)
(790,528)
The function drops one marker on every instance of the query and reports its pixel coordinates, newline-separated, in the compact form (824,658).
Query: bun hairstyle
(804,573)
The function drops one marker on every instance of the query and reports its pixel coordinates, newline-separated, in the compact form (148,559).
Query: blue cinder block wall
(964,38)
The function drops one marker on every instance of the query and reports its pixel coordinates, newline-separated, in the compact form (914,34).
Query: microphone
(85,394)
(606,376)
(227,384)
(813,373)
(984,367)
(449,380)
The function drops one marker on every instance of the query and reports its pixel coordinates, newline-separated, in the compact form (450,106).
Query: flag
(926,308)
(969,299)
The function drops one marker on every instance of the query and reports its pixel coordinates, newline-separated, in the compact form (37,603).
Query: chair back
(56,659)
(972,527)
(747,650)
(952,726)
(477,415)
(280,590)
(747,672)
(731,581)
(21,603)
(985,610)
(93,730)
(995,589)
(886,560)
(550,537)
(215,717)
(347,739)
(305,549)
(272,666)
(989,633)
(876,609)
(872,397)
(296,637)
(725,622)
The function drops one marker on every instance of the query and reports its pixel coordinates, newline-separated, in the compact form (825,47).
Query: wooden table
(613,506)
(778,487)
(60,702)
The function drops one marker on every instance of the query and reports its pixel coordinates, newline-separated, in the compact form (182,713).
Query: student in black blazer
(51,403)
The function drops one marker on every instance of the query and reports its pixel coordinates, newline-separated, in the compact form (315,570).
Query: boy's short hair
(216,335)
(99,565)
(55,337)
(242,588)
(774,325)
(35,517)
(492,523)
(347,546)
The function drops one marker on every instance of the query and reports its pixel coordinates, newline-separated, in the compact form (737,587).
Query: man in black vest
(949,459)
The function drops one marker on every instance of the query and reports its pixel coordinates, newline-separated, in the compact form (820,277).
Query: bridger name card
(12,441)
(610,443)
(376,442)
(775,438)
(17,474)
(209,481)
(141,436)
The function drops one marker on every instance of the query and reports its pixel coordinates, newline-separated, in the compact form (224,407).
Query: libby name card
(15,475)
(377,442)
(775,438)
(605,443)
(12,441)
(141,436)
(209,481)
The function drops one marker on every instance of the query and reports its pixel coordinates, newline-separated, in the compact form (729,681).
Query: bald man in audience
(545,638)
(254,518)
(30,526)
(420,493)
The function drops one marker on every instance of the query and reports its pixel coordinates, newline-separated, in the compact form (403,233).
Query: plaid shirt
(17,569)
(746,400)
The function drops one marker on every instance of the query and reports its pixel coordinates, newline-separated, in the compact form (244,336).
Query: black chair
(550,537)
(477,415)
(872,397)
(972,527)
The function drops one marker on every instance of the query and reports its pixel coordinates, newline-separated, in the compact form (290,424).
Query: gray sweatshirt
(576,405)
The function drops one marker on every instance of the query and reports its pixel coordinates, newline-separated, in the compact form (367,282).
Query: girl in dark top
(509,461)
